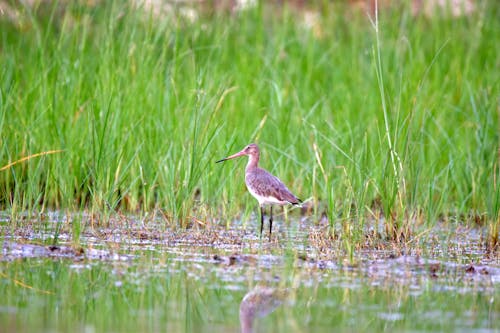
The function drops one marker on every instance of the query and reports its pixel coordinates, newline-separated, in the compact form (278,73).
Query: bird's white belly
(265,200)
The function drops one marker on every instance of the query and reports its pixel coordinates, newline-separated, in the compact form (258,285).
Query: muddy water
(326,287)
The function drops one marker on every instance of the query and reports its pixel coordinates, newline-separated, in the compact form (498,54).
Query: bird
(263,186)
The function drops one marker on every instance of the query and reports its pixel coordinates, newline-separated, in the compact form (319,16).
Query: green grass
(400,122)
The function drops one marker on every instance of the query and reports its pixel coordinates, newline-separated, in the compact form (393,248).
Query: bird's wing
(264,183)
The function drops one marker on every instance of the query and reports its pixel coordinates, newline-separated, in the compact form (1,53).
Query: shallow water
(152,278)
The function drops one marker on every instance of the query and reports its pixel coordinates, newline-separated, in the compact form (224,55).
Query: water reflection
(259,302)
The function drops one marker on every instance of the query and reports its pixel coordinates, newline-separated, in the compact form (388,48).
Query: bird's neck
(253,161)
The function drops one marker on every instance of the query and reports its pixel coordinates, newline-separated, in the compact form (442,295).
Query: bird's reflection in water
(259,302)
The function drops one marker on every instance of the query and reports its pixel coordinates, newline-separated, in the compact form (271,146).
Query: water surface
(134,275)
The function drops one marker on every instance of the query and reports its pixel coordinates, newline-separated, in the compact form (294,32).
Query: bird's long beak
(241,153)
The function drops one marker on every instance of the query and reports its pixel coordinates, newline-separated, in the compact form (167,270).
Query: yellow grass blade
(30,157)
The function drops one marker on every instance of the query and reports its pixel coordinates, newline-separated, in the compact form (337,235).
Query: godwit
(265,187)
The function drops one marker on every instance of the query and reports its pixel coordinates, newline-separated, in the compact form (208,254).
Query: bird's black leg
(261,220)
(270,221)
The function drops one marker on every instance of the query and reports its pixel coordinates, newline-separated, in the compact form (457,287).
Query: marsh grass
(394,120)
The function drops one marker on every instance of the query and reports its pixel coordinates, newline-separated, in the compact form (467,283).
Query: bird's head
(250,150)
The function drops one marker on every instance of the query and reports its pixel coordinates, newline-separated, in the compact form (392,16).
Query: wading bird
(265,187)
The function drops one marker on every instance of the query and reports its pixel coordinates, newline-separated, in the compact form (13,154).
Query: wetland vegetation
(115,217)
